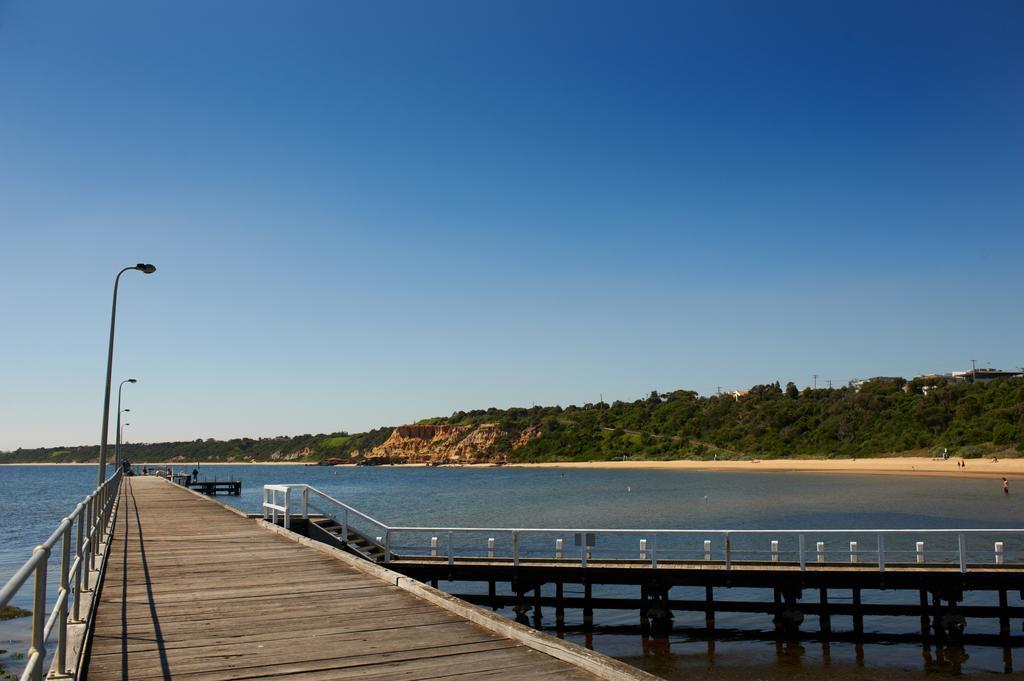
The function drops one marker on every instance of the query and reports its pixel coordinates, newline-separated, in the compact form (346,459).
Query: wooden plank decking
(193,591)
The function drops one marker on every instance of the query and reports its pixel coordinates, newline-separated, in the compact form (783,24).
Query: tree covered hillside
(884,417)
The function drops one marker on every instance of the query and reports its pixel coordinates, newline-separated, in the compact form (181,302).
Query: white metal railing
(78,556)
(792,548)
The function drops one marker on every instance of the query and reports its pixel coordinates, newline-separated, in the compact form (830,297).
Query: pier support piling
(825,617)
(709,609)
(559,606)
(858,615)
(588,610)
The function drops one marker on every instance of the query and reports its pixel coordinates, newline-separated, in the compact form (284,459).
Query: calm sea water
(33,499)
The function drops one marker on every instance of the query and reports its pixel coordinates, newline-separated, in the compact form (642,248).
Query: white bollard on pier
(558,549)
(490,547)
(433,547)
(1000,554)
(775,550)
(919,547)
(643,549)
(821,552)
(853,552)
(707,549)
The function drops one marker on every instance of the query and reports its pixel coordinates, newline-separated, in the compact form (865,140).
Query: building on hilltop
(859,383)
(981,375)
(969,376)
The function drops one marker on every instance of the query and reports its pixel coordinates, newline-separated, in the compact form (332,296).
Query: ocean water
(33,499)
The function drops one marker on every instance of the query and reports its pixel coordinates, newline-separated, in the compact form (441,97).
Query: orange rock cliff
(445,444)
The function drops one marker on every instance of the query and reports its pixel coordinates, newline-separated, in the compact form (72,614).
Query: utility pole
(974,371)
(718,390)
(815,381)
(830,384)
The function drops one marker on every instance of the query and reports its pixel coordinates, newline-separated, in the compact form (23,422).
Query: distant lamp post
(101,472)
(117,448)
(121,431)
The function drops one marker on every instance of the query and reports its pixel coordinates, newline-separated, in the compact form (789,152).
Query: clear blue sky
(369,213)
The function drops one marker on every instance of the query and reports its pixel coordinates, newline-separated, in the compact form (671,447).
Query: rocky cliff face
(441,444)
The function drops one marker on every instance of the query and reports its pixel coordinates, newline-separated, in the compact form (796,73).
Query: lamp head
(146,267)
(126,410)
(132,380)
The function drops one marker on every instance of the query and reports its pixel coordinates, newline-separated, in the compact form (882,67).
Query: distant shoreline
(912,466)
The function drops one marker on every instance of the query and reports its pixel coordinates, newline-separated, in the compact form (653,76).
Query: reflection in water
(732,655)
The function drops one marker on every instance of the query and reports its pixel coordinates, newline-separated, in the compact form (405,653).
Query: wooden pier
(195,590)
(938,578)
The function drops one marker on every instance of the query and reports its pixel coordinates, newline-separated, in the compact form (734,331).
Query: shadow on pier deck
(195,590)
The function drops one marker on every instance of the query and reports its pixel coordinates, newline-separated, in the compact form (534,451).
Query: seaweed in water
(9,612)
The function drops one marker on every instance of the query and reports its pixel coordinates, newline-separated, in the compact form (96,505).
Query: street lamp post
(120,431)
(117,447)
(101,472)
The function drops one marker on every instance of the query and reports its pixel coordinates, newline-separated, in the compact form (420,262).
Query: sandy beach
(977,468)
(917,466)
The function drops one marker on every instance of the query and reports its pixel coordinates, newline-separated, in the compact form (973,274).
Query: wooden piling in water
(858,615)
(1004,614)
(924,614)
(824,617)
(588,609)
(709,609)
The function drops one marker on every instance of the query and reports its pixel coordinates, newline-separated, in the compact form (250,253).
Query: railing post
(451,554)
(39,615)
(387,545)
(559,545)
(490,547)
(62,619)
(79,515)
(654,551)
(305,503)
(821,551)
(344,527)
(707,549)
(775,550)
(728,551)
(287,508)
(919,548)
(999,553)
(515,547)
(433,547)
(583,549)
(881,553)
(803,558)
(91,535)
(643,549)
(853,552)
(962,547)
(266,499)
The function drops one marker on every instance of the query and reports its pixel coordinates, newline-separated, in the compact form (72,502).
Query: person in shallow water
(1006,486)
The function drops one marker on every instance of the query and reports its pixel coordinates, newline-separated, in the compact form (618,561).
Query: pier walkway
(194,591)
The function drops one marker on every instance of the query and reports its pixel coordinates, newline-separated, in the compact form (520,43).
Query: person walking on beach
(1006,487)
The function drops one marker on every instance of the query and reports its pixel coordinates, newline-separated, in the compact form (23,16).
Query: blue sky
(369,213)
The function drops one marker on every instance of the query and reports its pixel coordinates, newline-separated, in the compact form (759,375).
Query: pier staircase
(330,531)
